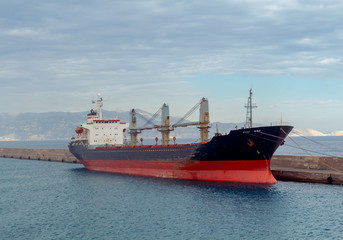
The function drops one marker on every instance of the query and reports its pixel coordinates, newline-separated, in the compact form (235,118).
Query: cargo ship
(242,155)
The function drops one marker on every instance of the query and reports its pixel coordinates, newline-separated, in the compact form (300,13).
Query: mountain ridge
(61,126)
(314,133)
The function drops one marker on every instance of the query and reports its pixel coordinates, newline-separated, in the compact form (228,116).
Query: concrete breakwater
(284,167)
(53,155)
(308,168)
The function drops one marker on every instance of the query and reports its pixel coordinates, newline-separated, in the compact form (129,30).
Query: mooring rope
(309,139)
(307,151)
(312,151)
(271,135)
(324,163)
(299,147)
(296,143)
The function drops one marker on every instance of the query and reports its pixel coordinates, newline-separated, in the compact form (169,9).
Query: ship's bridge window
(92,113)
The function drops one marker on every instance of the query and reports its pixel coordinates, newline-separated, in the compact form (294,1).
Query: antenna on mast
(281,119)
(249,107)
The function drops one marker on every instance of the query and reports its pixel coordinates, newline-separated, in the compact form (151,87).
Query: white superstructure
(98,131)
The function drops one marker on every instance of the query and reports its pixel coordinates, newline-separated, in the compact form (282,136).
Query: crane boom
(204,119)
(153,117)
(192,110)
(145,126)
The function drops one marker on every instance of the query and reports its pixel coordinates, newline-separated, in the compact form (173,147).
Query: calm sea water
(47,200)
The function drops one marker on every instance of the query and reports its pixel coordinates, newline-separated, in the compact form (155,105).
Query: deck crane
(133,129)
(164,128)
(204,119)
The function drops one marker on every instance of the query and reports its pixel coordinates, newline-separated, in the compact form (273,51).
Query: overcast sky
(58,55)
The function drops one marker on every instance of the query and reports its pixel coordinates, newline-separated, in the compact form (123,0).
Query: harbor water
(48,200)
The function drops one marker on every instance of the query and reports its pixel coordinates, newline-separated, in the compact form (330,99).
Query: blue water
(47,200)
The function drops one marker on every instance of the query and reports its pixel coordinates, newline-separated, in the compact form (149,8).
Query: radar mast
(249,107)
(99,104)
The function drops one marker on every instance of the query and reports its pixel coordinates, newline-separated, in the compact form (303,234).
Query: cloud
(328,61)
(21,32)
(238,32)
(147,50)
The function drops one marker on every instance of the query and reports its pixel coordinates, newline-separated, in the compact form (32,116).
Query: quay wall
(53,155)
(315,169)
(307,162)
(284,167)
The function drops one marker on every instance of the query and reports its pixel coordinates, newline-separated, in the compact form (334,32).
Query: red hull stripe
(249,171)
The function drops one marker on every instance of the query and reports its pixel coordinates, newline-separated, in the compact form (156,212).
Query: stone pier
(308,169)
(53,155)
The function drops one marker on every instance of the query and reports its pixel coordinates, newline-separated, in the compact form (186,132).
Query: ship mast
(249,107)
(165,124)
(99,104)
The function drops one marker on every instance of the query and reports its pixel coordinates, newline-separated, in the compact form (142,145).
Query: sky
(58,55)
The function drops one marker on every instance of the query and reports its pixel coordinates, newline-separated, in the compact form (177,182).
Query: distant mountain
(312,132)
(38,126)
(61,125)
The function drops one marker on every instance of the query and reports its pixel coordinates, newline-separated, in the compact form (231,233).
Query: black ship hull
(241,156)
